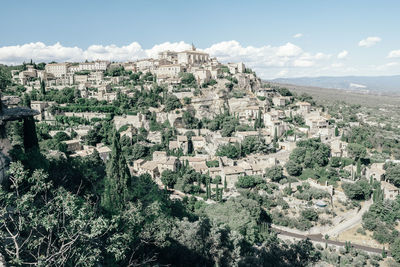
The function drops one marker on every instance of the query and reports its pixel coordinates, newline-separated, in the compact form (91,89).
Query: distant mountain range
(373,84)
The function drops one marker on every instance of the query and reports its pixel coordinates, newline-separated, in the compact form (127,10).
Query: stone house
(280,101)
(198,142)
(231,174)
(304,107)
(389,191)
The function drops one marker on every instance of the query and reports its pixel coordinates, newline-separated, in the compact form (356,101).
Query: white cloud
(153,52)
(286,60)
(391,64)
(342,54)
(387,66)
(40,52)
(337,65)
(369,41)
(298,35)
(394,53)
(288,50)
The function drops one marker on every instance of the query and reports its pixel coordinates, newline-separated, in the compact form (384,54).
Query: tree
(275,173)
(309,214)
(189,120)
(247,181)
(356,151)
(336,131)
(393,174)
(26,100)
(5,78)
(229,150)
(46,226)
(187,78)
(293,168)
(172,103)
(42,87)
(275,140)
(298,155)
(139,151)
(395,250)
(360,190)
(169,178)
(93,136)
(298,119)
(359,167)
(116,193)
(30,137)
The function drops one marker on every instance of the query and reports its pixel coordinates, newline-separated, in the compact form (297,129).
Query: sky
(286,38)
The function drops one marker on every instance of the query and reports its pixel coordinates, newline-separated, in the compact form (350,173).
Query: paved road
(319,238)
(349,222)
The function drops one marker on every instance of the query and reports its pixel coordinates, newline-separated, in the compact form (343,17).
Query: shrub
(309,214)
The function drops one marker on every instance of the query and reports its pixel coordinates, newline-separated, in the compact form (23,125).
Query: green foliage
(224,122)
(393,174)
(283,91)
(229,150)
(116,193)
(239,214)
(309,214)
(187,78)
(248,181)
(274,173)
(115,72)
(212,163)
(172,103)
(252,144)
(310,193)
(395,250)
(5,78)
(293,168)
(356,151)
(169,178)
(360,190)
(190,121)
(315,152)
(47,225)
(298,120)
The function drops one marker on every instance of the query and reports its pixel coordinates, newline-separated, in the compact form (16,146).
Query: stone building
(193,57)
(57,69)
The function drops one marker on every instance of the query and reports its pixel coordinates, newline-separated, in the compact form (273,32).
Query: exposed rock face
(5,146)
(11,114)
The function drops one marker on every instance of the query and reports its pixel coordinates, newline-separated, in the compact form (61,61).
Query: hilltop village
(211,133)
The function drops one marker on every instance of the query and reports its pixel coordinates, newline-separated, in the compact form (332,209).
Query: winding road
(319,238)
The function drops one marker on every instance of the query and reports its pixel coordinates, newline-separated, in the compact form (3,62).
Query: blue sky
(251,31)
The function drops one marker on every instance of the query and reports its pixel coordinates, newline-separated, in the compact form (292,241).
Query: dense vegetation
(85,213)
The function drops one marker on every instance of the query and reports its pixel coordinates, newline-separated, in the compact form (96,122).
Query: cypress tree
(217,193)
(275,138)
(358,167)
(30,137)
(336,131)
(43,88)
(225,184)
(116,182)
(26,100)
(207,189)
